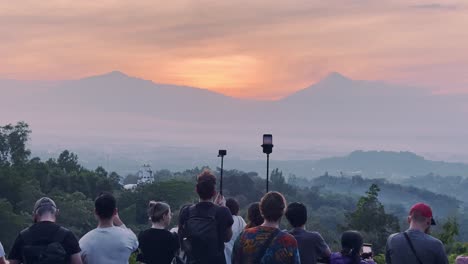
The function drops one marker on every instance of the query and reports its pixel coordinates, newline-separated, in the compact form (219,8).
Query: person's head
(45,209)
(159,212)
(233,206)
(254,216)
(420,217)
(296,213)
(105,206)
(272,206)
(351,244)
(206,185)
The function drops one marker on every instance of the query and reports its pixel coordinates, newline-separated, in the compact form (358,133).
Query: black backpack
(48,251)
(201,238)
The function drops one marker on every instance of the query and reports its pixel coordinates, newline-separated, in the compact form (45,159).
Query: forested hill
(455,186)
(389,164)
(397,198)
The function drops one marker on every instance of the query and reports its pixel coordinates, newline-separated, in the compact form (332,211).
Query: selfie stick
(221,154)
(267,149)
(268,171)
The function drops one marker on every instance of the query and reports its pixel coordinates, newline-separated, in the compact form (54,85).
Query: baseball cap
(424,209)
(44,202)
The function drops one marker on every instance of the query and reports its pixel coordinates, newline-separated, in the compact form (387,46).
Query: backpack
(41,253)
(200,240)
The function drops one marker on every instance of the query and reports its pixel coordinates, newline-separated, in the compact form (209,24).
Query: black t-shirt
(223,220)
(158,245)
(43,233)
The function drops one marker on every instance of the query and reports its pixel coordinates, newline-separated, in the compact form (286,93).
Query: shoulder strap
(193,211)
(412,247)
(265,246)
(212,211)
(58,236)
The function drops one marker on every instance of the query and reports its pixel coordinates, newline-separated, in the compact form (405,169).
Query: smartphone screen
(267,139)
(367,248)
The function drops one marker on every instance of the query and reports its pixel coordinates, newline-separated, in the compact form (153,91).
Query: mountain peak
(115,74)
(109,76)
(335,77)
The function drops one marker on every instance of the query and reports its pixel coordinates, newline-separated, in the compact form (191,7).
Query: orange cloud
(258,49)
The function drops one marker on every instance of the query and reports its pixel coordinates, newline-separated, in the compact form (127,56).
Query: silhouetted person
(267,243)
(415,245)
(351,250)
(157,245)
(237,227)
(254,217)
(311,244)
(111,242)
(45,241)
(205,226)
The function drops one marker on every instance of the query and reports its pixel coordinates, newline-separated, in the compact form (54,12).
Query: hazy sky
(261,49)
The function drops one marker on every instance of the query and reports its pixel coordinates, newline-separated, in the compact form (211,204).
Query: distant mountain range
(394,166)
(336,115)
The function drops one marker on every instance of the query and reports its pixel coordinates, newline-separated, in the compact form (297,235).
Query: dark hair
(351,244)
(233,206)
(157,210)
(296,213)
(254,216)
(206,185)
(272,206)
(105,205)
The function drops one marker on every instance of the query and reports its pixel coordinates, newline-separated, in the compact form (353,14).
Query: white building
(145,175)
(130,187)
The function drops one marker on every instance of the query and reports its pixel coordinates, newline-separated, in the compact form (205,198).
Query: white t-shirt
(2,251)
(237,228)
(110,245)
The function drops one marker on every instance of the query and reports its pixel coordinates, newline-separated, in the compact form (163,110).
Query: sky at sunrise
(249,49)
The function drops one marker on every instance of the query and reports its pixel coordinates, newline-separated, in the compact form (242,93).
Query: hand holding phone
(219,200)
(367,251)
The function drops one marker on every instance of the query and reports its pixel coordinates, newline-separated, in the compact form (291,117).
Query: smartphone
(367,249)
(267,139)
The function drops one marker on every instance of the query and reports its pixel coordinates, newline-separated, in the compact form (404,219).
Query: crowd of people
(212,232)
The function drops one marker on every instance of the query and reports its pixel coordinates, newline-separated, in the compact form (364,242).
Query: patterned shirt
(283,248)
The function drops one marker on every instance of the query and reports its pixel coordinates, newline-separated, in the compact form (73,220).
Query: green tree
(13,140)
(101,172)
(449,232)
(68,161)
(10,222)
(76,212)
(130,179)
(278,183)
(370,219)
